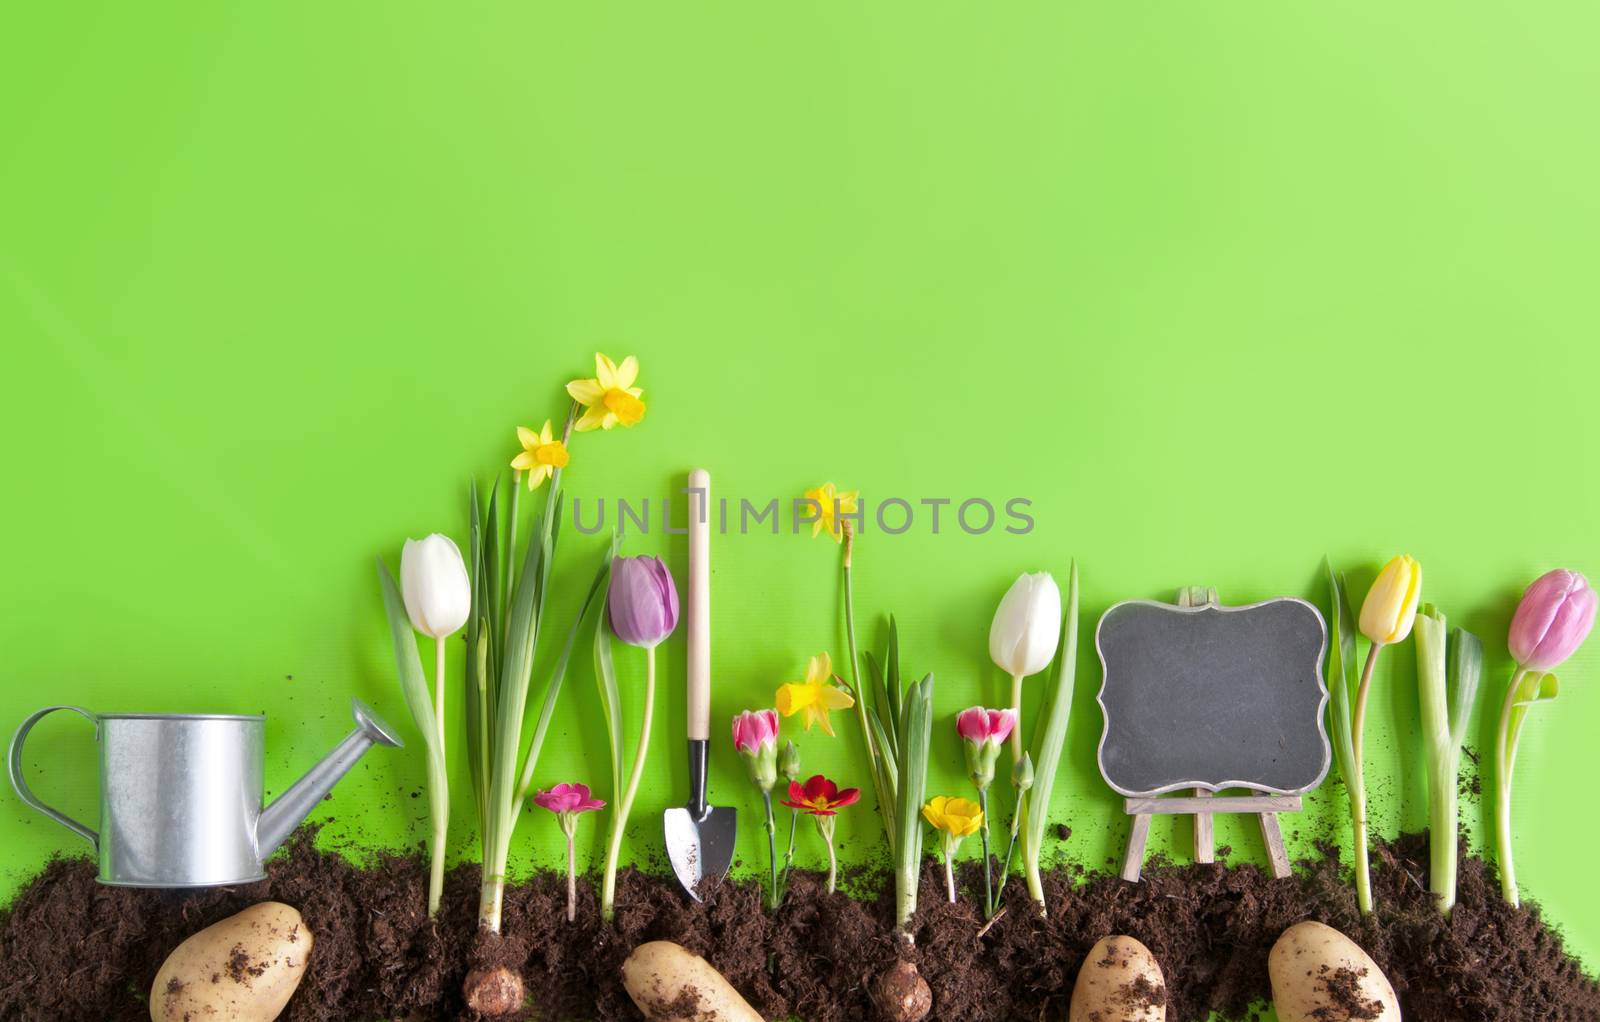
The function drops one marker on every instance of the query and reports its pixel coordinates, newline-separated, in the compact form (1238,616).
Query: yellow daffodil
(827,499)
(958,817)
(610,397)
(541,454)
(815,696)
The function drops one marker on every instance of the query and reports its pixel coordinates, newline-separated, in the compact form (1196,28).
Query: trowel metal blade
(700,850)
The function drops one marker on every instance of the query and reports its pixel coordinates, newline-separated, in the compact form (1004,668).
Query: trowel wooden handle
(699,713)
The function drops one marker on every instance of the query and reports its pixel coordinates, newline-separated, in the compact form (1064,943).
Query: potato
(669,984)
(243,969)
(1120,982)
(1320,975)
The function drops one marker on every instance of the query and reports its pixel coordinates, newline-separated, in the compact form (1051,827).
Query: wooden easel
(1204,804)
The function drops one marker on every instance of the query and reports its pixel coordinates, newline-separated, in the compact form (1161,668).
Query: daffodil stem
(1358,787)
(1505,752)
(988,881)
(619,817)
(886,800)
(772,848)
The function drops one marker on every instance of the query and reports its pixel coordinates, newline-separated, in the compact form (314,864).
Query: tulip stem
(619,816)
(1358,787)
(988,881)
(1020,813)
(438,690)
(772,848)
(1505,752)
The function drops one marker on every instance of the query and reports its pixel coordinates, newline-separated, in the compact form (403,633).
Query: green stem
(1504,752)
(1020,816)
(886,802)
(438,690)
(833,862)
(1358,787)
(988,881)
(1016,713)
(619,817)
(788,857)
(949,874)
(772,848)
(572,880)
(1011,847)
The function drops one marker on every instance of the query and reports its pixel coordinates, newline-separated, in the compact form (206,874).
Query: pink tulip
(978,725)
(754,729)
(1552,620)
(568,798)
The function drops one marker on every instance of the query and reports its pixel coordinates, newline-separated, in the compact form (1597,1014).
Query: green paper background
(1218,287)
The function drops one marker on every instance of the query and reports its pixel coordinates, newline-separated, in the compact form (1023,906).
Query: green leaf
(473,686)
(1534,688)
(553,687)
(408,660)
(887,742)
(1341,672)
(1466,670)
(1050,733)
(891,675)
(915,734)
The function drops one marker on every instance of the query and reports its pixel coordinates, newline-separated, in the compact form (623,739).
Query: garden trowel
(699,836)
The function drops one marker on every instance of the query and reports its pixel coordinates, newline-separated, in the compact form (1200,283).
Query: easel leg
(1133,862)
(1273,836)
(1203,844)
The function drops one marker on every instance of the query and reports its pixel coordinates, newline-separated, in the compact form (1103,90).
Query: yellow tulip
(958,817)
(610,397)
(1391,604)
(815,696)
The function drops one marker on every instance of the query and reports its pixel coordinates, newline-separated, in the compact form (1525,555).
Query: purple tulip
(643,602)
(1552,620)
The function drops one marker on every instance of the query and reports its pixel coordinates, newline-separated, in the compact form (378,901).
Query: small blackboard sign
(1211,697)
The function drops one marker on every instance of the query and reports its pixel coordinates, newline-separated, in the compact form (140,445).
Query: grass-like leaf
(915,733)
(1050,735)
(1341,672)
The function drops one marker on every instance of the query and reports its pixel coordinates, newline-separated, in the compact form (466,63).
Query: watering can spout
(286,812)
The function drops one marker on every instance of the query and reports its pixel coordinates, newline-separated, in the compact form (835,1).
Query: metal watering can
(181,794)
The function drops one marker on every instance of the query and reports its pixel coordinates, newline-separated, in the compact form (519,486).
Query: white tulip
(1027,625)
(434,583)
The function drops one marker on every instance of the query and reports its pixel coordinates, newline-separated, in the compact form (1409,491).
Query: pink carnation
(754,729)
(978,725)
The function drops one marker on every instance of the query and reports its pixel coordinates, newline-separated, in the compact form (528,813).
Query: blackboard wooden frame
(1265,803)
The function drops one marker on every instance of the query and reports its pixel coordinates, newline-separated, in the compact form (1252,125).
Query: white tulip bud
(434,583)
(1027,625)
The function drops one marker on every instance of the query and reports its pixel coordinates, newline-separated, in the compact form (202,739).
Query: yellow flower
(815,696)
(957,817)
(1390,608)
(825,497)
(610,397)
(541,454)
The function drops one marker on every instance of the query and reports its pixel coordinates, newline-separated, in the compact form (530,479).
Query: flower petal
(627,372)
(586,392)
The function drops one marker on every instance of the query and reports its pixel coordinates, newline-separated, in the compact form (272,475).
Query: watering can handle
(26,793)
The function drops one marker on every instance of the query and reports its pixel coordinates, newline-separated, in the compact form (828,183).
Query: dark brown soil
(72,949)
